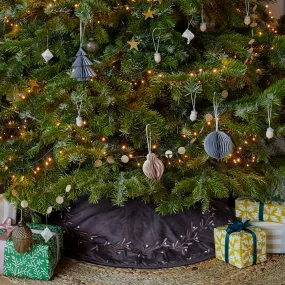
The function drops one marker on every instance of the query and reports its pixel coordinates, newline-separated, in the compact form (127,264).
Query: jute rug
(71,272)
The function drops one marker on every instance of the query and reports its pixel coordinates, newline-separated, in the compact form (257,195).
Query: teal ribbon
(261,211)
(236,227)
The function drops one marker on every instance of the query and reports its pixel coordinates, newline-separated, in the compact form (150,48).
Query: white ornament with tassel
(153,167)
(269,131)
(157,55)
(247,19)
(203,25)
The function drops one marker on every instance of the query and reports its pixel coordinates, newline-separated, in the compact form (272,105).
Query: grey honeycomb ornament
(218,145)
(82,67)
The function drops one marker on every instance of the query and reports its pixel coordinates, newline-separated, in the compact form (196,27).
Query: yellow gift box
(270,211)
(240,246)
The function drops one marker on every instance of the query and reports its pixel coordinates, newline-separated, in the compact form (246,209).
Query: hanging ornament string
(202,13)
(247,7)
(215,103)
(82,32)
(157,55)
(79,106)
(193,99)
(269,115)
(148,137)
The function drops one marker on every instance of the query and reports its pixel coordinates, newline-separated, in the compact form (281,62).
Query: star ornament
(148,14)
(133,44)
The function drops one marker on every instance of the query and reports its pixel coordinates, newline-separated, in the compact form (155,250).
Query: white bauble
(79,121)
(157,57)
(193,115)
(203,26)
(247,20)
(59,199)
(49,210)
(24,204)
(98,163)
(168,153)
(125,159)
(270,133)
(67,188)
(182,150)
(153,167)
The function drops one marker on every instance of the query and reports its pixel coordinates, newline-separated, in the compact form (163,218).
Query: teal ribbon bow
(239,226)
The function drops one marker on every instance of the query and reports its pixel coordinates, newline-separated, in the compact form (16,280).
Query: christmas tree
(158,62)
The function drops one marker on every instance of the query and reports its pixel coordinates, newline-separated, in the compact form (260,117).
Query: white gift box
(275,236)
(7,210)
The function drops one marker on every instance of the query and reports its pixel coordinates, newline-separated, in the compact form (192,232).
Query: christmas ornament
(68,188)
(15,193)
(225,93)
(168,153)
(79,121)
(218,144)
(125,159)
(193,115)
(47,55)
(157,55)
(98,163)
(59,200)
(209,117)
(203,25)
(182,150)
(24,204)
(91,45)
(46,234)
(247,17)
(110,159)
(22,237)
(270,131)
(33,83)
(133,44)
(153,167)
(82,65)
(148,14)
(188,35)
(49,210)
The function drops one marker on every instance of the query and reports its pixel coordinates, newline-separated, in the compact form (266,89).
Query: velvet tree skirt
(136,236)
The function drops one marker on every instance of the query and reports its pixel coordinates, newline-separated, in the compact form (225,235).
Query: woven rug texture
(212,272)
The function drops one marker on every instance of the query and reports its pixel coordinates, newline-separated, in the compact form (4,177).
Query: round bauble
(218,145)
(49,210)
(125,159)
(247,20)
(22,237)
(79,121)
(182,150)
(59,200)
(98,163)
(24,204)
(193,115)
(14,193)
(209,117)
(270,133)
(153,167)
(110,159)
(168,153)
(203,27)
(67,188)
(91,45)
(225,93)
(157,57)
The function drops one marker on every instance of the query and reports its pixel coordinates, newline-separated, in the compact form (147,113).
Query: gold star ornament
(148,14)
(133,44)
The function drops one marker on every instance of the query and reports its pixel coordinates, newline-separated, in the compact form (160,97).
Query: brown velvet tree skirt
(72,272)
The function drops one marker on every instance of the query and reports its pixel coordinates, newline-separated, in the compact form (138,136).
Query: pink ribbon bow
(7,225)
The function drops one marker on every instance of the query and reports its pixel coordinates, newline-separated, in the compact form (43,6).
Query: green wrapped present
(40,261)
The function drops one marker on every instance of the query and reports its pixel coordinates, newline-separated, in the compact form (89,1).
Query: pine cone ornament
(22,237)
(153,167)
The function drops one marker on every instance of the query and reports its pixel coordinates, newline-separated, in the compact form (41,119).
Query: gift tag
(46,234)
(47,55)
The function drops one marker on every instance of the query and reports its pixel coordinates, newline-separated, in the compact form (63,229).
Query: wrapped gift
(270,211)
(240,244)
(275,236)
(40,261)
(7,210)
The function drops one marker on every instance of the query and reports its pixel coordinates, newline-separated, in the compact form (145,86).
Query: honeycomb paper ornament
(47,55)
(46,234)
